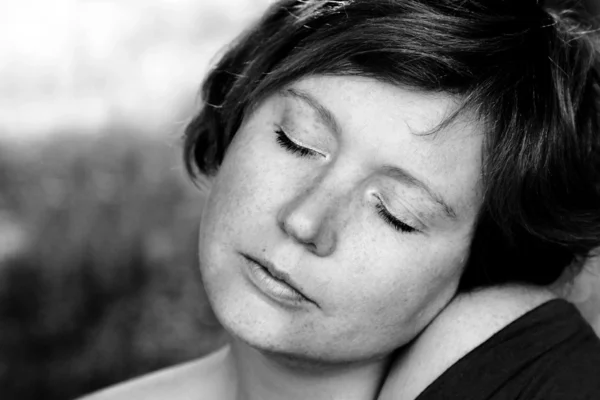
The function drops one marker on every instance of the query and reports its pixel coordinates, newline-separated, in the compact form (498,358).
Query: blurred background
(98,223)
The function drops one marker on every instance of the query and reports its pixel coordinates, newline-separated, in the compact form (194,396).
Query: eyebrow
(400,174)
(326,116)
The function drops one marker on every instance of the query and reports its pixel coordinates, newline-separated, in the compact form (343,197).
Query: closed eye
(393,221)
(291,146)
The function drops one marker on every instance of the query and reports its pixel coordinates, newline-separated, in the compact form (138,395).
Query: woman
(393,187)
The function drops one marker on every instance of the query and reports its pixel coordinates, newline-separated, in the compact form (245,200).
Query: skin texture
(315,217)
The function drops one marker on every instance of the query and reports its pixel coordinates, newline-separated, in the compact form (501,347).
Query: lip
(274,283)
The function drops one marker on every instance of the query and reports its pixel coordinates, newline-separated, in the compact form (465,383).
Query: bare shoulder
(472,318)
(467,322)
(191,380)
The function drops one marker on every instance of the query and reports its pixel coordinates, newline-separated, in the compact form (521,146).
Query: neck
(266,377)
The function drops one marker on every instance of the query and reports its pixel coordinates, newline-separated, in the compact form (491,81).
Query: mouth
(281,283)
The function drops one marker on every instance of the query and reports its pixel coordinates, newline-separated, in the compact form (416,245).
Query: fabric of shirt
(550,353)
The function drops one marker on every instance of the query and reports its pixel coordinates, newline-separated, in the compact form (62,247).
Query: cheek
(399,290)
(384,308)
(240,181)
(247,190)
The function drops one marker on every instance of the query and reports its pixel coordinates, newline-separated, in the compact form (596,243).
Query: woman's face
(331,186)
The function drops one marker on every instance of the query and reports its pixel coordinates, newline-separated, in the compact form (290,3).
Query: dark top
(550,353)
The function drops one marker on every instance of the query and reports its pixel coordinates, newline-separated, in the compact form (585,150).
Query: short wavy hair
(529,72)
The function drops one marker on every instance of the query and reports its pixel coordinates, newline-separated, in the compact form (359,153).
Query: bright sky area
(80,64)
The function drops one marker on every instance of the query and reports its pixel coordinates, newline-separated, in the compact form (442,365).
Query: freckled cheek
(401,280)
(251,180)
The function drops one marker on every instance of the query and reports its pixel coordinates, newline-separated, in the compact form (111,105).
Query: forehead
(383,124)
(352,96)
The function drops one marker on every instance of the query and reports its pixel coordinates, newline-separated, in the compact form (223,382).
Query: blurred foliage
(98,274)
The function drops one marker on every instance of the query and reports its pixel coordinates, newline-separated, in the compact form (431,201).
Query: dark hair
(529,72)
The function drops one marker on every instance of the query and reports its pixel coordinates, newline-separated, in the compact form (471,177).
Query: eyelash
(284,141)
(394,222)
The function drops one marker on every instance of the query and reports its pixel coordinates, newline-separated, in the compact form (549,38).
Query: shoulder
(472,318)
(207,375)
(466,323)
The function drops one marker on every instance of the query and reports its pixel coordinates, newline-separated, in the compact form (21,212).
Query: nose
(308,219)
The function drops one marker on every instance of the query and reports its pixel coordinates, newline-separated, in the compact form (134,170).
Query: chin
(305,352)
(270,329)
(289,339)
(243,312)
